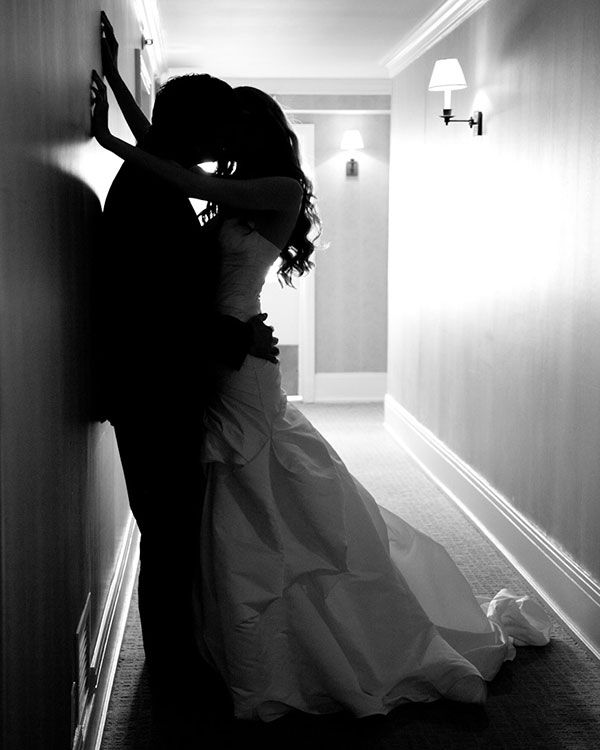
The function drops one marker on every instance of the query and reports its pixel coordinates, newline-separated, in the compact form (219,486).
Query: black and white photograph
(300,374)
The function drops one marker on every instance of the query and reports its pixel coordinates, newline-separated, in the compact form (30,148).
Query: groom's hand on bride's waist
(231,340)
(261,342)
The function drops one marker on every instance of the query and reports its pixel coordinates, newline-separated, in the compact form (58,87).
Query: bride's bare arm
(261,194)
(136,119)
(265,193)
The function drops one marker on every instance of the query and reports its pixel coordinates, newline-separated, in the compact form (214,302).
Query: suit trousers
(165,483)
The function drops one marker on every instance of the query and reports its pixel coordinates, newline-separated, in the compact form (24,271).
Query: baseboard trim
(110,636)
(350,386)
(567,588)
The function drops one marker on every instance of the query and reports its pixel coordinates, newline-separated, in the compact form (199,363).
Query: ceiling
(287,38)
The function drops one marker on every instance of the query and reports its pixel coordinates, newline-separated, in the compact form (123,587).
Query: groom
(158,335)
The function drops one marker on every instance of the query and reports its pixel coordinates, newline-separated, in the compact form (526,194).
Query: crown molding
(306,86)
(425,36)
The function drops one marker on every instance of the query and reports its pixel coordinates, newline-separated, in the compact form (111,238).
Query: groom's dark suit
(155,286)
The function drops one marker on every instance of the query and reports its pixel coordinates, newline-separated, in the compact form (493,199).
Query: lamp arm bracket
(476,120)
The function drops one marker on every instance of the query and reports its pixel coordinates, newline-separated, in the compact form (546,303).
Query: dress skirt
(310,596)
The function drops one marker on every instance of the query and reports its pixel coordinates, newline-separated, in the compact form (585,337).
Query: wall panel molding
(350,386)
(568,589)
(151,28)
(427,34)
(110,636)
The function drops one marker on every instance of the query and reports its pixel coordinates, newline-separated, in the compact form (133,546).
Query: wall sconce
(352,141)
(447,76)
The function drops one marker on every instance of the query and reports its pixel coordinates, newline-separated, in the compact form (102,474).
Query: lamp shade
(447,75)
(352,141)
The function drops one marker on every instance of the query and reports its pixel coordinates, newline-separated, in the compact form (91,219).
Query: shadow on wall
(63,501)
(63,505)
(54,225)
(526,22)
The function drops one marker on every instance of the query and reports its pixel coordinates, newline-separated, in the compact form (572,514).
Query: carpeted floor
(547,698)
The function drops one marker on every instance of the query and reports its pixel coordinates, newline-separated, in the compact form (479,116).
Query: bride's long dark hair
(279,156)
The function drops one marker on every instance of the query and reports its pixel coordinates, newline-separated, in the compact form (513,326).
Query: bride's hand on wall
(109,47)
(99,106)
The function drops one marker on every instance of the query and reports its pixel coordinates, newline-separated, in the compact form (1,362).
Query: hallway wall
(494,263)
(351,272)
(63,505)
(351,260)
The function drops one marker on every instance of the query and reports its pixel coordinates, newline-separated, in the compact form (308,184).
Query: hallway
(457,287)
(547,699)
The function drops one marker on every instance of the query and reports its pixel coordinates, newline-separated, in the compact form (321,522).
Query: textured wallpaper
(351,273)
(63,505)
(494,261)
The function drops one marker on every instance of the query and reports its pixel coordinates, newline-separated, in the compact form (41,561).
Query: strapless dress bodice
(246,257)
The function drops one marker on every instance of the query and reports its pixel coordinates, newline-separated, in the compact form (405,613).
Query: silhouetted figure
(309,596)
(158,337)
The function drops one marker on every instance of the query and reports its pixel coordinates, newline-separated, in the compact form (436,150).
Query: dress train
(312,597)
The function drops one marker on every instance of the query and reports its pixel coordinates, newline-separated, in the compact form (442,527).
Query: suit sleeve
(231,339)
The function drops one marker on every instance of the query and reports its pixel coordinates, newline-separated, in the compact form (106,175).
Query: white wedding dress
(310,595)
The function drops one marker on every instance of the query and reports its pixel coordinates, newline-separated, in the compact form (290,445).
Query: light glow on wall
(84,160)
(510,244)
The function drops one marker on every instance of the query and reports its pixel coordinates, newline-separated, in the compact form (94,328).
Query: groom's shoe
(185,727)
(188,715)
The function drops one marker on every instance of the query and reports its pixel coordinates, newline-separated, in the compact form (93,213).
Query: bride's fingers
(107,32)
(98,81)
(105,22)
(98,95)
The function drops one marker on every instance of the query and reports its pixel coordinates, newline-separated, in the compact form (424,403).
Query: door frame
(306,284)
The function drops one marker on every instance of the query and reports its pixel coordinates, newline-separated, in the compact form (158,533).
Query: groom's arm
(234,340)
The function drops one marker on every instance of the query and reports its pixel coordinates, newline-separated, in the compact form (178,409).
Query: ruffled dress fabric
(311,596)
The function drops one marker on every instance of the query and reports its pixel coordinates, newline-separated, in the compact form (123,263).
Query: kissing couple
(270,579)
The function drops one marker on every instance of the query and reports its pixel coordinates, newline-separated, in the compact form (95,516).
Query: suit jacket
(155,326)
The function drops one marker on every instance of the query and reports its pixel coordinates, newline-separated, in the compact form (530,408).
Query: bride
(311,596)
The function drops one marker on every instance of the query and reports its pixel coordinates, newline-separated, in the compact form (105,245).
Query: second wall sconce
(352,141)
(447,76)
